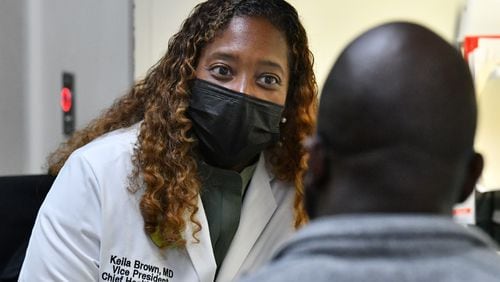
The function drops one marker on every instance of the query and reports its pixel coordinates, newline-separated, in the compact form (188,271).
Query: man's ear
(317,164)
(474,170)
(316,175)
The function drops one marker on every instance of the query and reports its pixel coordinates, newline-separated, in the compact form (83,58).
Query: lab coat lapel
(201,253)
(257,209)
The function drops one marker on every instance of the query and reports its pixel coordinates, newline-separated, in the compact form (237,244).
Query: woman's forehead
(250,36)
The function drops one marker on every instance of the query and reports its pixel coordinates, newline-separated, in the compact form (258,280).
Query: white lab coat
(89,227)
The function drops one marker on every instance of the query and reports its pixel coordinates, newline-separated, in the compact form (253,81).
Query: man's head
(396,126)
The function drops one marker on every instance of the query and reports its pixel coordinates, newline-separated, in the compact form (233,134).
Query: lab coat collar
(258,207)
(201,252)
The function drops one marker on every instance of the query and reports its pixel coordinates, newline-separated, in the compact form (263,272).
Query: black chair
(487,213)
(21,197)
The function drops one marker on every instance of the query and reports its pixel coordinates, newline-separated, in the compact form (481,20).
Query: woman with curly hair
(205,154)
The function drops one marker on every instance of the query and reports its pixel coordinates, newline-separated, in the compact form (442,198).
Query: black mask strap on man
(232,127)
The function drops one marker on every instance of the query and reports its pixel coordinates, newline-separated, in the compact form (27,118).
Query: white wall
(12,60)
(331,24)
(40,39)
(155,22)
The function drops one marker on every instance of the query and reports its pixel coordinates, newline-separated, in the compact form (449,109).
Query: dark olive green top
(222,195)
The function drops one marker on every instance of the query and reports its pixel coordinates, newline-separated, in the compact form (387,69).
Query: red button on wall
(66,99)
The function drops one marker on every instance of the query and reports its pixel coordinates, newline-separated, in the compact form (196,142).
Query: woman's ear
(474,170)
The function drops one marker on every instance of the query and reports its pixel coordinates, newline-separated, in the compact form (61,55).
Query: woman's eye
(220,71)
(269,81)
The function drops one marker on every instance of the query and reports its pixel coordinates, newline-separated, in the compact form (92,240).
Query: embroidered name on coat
(128,270)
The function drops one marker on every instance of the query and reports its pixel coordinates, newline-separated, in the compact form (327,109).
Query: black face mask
(232,127)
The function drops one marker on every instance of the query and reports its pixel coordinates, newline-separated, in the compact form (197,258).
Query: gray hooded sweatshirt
(384,248)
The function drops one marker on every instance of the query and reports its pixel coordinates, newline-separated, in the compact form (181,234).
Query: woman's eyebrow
(272,64)
(223,56)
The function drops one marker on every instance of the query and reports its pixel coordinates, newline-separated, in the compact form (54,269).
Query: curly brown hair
(164,158)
